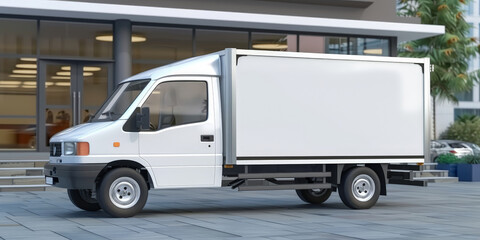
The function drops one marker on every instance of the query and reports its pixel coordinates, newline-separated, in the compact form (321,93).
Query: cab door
(180,144)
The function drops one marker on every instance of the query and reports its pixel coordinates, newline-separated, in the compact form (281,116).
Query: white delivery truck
(250,120)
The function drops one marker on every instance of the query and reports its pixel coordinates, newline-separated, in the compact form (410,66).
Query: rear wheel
(122,192)
(82,198)
(360,188)
(313,196)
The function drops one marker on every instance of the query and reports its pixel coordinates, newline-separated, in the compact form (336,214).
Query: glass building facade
(56,73)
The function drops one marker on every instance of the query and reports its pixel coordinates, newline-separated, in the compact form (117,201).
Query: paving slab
(439,211)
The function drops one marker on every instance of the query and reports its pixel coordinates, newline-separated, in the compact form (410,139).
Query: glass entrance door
(70,92)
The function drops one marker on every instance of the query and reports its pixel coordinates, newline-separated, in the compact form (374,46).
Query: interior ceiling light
(108,37)
(49,84)
(60,77)
(87,74)
(24,71)
(92,69)
(30,83)
(270,46)
(376,51)
(22,76)
(8,86)
(26,65)
(28,59)
(62,84)
(10,82)
(29,86)
(63,73)
(65,68)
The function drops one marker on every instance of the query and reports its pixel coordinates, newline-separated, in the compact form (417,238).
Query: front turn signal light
(83,148)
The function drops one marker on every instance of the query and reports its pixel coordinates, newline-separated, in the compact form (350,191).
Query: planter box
(452,168)
(468,172)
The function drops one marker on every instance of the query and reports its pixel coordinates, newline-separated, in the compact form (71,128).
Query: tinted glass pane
(274,42)
(17,104)
(465,96)
(208,41)
(18,36)
(95,87)
(314,44)
(369,46)
(161,45)
(177,103)
(76,39)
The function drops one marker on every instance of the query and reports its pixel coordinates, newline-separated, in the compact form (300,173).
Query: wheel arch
(127,164)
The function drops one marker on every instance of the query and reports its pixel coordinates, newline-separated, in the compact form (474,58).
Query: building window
(274,42)
(18,94)
(160,46)
(208,41)
(18,36)
(369,46)
(71,39)
(457,112)
(466,96)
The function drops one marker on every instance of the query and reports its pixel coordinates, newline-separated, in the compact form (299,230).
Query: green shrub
(470,159)
(466,129)
(448,159)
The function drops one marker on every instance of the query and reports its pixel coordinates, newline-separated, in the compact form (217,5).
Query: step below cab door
(180,144)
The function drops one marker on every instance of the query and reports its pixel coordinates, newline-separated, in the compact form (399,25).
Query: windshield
(120,100)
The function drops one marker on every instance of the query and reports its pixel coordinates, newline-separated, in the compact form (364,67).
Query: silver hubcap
(124,192)
(363,188)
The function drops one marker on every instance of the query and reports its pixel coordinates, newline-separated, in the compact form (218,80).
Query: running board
(286,187)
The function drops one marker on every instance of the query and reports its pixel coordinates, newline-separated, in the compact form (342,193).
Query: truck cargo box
(301,108)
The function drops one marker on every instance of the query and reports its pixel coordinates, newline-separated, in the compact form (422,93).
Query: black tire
(82,198)
(314,196)
(360,188)
(122,192)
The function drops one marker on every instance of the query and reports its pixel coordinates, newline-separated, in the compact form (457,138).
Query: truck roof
(208,65)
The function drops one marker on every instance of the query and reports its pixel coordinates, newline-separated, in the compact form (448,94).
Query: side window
(177,103)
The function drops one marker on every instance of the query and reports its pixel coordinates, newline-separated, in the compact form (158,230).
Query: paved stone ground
(439,211)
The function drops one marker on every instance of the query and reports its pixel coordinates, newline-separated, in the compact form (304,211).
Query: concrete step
(22,163)
(23,188)
(437,179)
(22,180)
(430,173)
(21,171)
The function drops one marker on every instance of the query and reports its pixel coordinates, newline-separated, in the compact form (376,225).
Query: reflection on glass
(120,100)
(18,36)
(336,45)
(369,46)
(57,88)
(17,106)
(208,41)
(274,42)
(74,39)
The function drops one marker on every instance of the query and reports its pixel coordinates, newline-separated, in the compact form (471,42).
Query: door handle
(206,138)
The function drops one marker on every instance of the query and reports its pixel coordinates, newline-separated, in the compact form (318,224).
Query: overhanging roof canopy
(102,11)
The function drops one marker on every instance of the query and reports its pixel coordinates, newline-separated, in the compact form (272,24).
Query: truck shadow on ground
(184,210)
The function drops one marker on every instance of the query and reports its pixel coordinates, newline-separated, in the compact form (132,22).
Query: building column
(122,49)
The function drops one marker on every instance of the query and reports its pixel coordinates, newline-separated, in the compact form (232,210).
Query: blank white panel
(321,107)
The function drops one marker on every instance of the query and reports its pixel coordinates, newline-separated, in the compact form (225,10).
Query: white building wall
(445,110)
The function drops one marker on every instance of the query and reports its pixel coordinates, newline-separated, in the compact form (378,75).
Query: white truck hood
(79,132)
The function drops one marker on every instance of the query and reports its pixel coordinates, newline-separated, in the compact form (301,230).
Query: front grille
(55,149)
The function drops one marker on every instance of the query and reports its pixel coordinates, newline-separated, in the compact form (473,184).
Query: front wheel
(122,192)
(82,198)
(359,188)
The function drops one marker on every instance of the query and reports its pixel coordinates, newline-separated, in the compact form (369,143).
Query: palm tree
(449,53)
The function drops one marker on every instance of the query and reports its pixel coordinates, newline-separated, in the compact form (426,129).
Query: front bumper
(73,175)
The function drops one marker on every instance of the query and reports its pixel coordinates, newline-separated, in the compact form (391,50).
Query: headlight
(76,148)
(70,148)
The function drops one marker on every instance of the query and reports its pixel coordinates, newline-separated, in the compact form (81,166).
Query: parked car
(455,147)
(475,148)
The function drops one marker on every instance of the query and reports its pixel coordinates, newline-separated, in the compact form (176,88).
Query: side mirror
(143,119)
